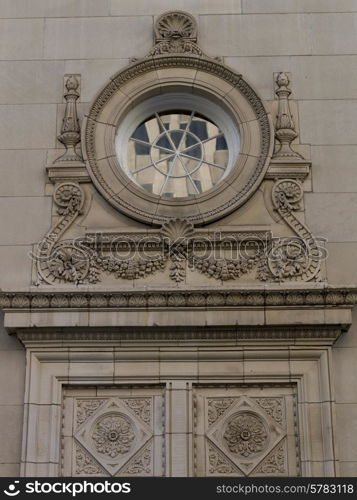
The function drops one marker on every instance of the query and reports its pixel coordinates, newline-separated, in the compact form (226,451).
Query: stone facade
(110,293)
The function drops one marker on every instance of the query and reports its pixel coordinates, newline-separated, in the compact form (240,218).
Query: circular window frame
(165,76)
(165,103)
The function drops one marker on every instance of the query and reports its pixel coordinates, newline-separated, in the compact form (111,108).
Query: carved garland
(286,259)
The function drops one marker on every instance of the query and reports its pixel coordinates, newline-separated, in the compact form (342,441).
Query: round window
(177,136)
(177,146)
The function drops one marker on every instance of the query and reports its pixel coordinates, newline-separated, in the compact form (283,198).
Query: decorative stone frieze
(324,295)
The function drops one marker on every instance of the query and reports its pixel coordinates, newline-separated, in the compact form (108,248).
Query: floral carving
(113,435)
(86,408)
(141,463)
(275,463)
(141,407)
(63,261)
(218,463)
(290,259)
(216,408)
(273,407)
(129,269)
(68,263)
(246,434)
(85,464)
(176,47)
(69,197)
(225,269)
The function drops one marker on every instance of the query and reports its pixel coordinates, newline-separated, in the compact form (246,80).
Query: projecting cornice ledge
(319,313)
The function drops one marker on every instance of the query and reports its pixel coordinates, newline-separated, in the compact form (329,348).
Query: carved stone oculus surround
(177,59)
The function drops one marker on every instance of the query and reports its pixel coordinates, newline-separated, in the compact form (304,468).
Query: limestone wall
(41,40)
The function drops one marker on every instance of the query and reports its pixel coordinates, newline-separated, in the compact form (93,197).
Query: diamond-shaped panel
(113,435)
(245,434)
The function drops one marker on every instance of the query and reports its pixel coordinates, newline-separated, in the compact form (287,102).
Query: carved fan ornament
(262,257)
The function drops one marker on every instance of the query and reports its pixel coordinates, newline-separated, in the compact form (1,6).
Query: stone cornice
(325,334)
(263,297)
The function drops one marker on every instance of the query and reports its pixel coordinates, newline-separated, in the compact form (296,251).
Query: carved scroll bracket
(292,259)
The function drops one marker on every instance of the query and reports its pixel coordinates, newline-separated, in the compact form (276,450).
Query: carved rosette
(113,435)
(246,434)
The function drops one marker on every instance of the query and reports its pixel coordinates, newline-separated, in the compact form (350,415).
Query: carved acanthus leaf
(86,408)
(217,407)
(275,463)
(273,407)
(142,407)
(141,464)
(85,464)
(218,463)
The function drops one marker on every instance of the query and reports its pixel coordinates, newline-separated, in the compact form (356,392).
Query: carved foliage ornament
(116,432)
(76,261)
(113,435)
(245,434)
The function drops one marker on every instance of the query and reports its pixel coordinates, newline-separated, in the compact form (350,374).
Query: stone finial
(285,128)
(70,130)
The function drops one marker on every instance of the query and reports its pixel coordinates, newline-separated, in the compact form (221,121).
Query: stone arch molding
(177,66)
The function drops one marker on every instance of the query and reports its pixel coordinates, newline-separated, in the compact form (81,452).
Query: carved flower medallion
(113,435)
(246,434)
